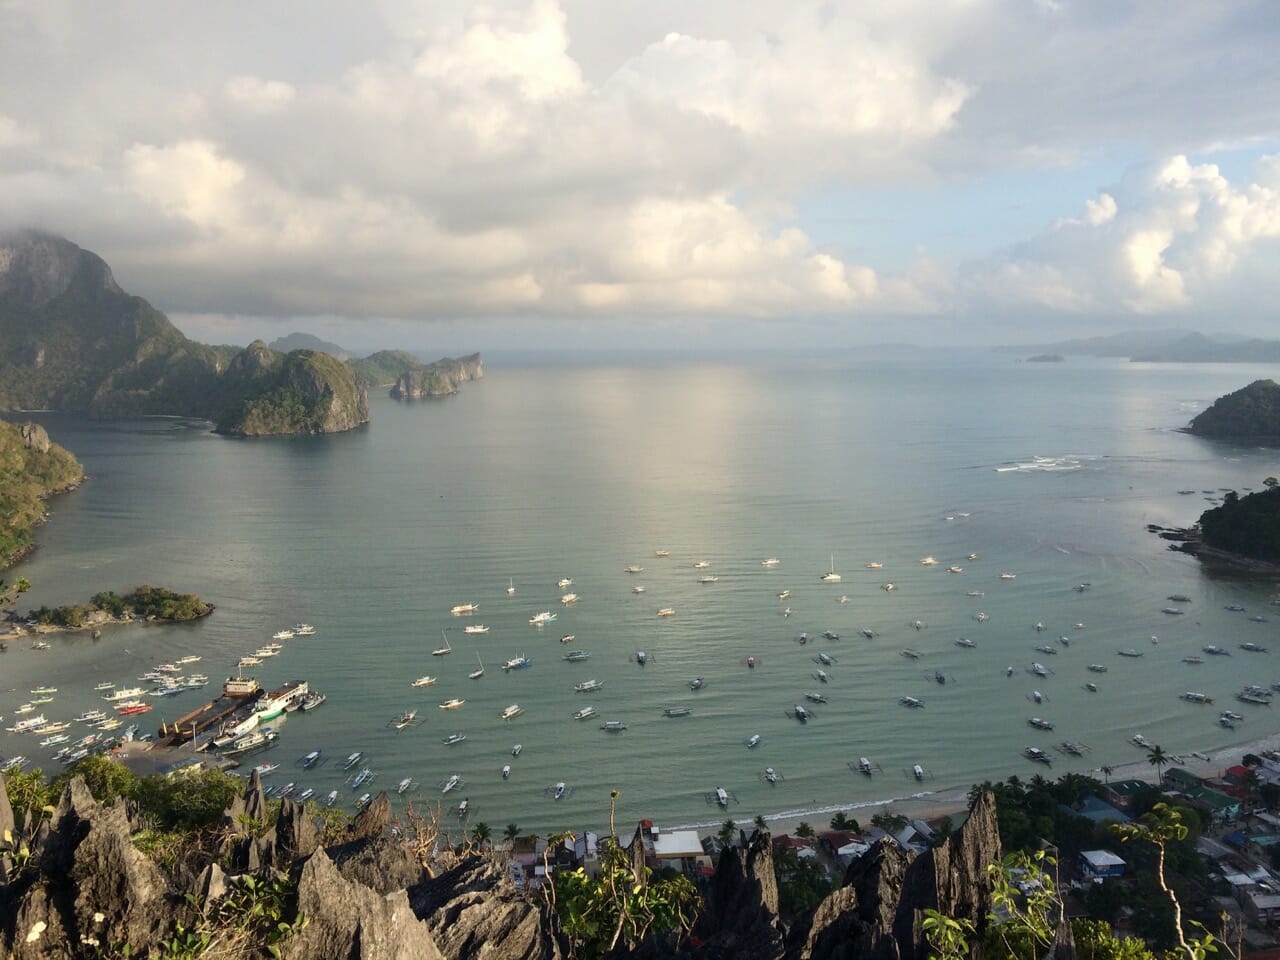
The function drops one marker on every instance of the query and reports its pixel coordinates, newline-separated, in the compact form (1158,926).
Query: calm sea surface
(546,470)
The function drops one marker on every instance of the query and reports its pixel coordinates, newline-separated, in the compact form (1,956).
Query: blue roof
(1096,810)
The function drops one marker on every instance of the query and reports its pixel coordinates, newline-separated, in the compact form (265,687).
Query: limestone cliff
(32,468)
(300,392)
(437,379)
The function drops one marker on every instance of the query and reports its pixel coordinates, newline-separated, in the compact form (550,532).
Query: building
(1096,810)
(1217,806)
(1122,793)
(1100,865)
(678,849)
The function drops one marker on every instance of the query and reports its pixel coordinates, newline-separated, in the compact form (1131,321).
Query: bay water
(581,467)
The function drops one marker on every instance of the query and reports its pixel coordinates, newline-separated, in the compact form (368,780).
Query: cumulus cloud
(550,157)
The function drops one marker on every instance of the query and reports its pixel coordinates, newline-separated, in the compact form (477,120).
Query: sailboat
(831,576)
(478,672)
(442,651)
(511,586)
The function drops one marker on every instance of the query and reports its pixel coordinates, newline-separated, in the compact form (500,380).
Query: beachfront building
(1095,810)
(678,849)
(1099,865)
(1121,794)
(1216,805)
(844,845)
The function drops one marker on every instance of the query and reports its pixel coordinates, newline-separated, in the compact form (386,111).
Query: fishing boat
(517,663)
(40,691)
(822,676)
(282,635)
(708,579)
(585,713)
(574,656)
(1253,647)
(459,609)
(722,797)
(477,673)
(508,712)
(586,686)
(1216,651)
(475,628)
(800,713)
(312,700)
(538,619)
(965,642)
(1097,668)
(104,685)
(453,704)
(864,766)
(425,680)
(406,719)
(676,712)
(1038,755)
(454,780)
(130,709)
(613,726)
(453,738)
(352,760)
(306,795)
(91,716)
(363,801)
(361,778)
(816,697)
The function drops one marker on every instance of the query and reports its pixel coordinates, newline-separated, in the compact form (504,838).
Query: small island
(1046,358)
(1249,415)
(152,604)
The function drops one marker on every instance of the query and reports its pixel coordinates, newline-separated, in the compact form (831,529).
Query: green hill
(1249,415)
(1247,526)
(31,469)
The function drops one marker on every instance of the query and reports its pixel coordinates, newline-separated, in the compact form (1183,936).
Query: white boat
(453,704)
(722,797)
(331,799)
(282,635)
(753,741)
(1040,724)
(1008,576)
(511,586)
(363,801)
(125,694)
(1194,696)
(514,710)
(352,760)
(875,565)
(459,609)
(635,568)
(911,702)
(917,771)
(506,771)
(708,579)
(613,726)
(955,569)
(638,588)
(91,716)
(568,598)
(1038,755)
(515,751)
(477,673)
(192,659)
(559,790)
(475,628)
(104,685)
(770,562)
(864,766)
(770,775)
(800,713)
(831,576)
(248,661)
(564,582)
(453,738)
(445,650)
(584,713)
(424,681)
(573,656)
(816,697)
(965,642)
(304,629)
(676,712)
(662,553)
(517,663)
(264,769)
(784,595)
(453,781)
(666,611)
(641,657)
(586,686)
(265,652)
(927,561)
(406,719)
(306,795)
(697,683)
(546,616)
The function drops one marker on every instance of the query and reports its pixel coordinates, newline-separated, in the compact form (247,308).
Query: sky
(559,172)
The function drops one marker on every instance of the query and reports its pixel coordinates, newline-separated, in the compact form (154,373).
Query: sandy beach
(954,802)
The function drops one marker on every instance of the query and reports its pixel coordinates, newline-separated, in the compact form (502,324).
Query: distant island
(1163,346)
(1249,415)
(1046,358)
(32,468)
(72,340)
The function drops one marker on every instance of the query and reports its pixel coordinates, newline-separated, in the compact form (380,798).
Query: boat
(445,650)
(91,716)
(361,778)
(927,561)
(1216,651)
(425,680)
(722,797)
(304,629)
(1008,576)
(511,586)
(1172,611)
(569,598)
(864,766)
(453,738)
(702,564)
(666,611)
(1138,740)
(104,685)
(875,565)
(917,771)
(1075,749)
(1097,668)
(352,760)
(248,661)
(1194,696)
(635,568)
(463,608)
(475,628)
(1129,652)
(574,656)
(955,569)
(568,638)
(822,676)
(263,652)
(1193,660)
(506,771)
(306,795)
(662,553)
(676,712)
(1253,647)
(130,709)
(312,700)
(558,791)
(784,595)
(697,683)
(363,801)
(453,781)
(564,582)
(125,694)
(515,751)
(770,775)
(517,663)
(546,616)
(800,713)
(1045,648)
(1254,695)
(453,704)
(584,713)
(613,726)
(1179,598)
(265,769)
(42,691)
(477,673)
(965,642)
(752,741)
(286,790)
(1227,722)
(406,719)
(708,579)
(770,562)
(1039,669)
(1231,715)
(831,576)
(642,658)
(331,799)
(252,740)
(981,616)
(513,710)
(824,658)
(282,635)
(638,588)
(586,686)
(1040,724)
(910,702)
(310,760)
(816,697)
(1038,755)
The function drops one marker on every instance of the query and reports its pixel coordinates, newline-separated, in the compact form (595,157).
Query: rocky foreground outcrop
(86,889)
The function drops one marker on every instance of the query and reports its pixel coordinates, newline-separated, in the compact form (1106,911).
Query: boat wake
(1070,461)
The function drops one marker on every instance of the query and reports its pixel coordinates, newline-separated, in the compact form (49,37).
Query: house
(915,836)
(1122,793)
(1216,805)
(679,849)
(845,845)
(1099,865)
(1262,906)
(1096,810)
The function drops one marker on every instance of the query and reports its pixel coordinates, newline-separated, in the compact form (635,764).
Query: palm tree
(804,830)
(512,831)
(842,822)
(1158,758)
(761,823)
(1106,773)
(480,834)
(727,831)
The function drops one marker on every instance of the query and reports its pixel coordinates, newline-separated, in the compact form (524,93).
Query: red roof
(795,842)
(838,838)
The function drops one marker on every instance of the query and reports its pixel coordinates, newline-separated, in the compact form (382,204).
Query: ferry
(514,710)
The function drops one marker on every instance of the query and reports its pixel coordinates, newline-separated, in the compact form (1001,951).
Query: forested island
(1247,526)
(72,340)
(1249,415)
(155,604)
(32,468)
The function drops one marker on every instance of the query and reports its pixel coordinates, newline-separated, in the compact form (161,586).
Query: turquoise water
(549,470)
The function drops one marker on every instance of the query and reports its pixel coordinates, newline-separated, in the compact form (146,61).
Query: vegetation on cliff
(438,379)
(300,392)
(1249,415)
(31,469)
(1247,526)
(142,603)
(383,368)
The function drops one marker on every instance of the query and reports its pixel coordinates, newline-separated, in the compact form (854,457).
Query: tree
(761,823)
(1106,773)
(511,832)
(9,591)
(1158,759)
(804,830)
(728,830)
(480,834)
(842,822)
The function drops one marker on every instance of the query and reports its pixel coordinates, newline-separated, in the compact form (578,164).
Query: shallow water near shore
(550,470)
